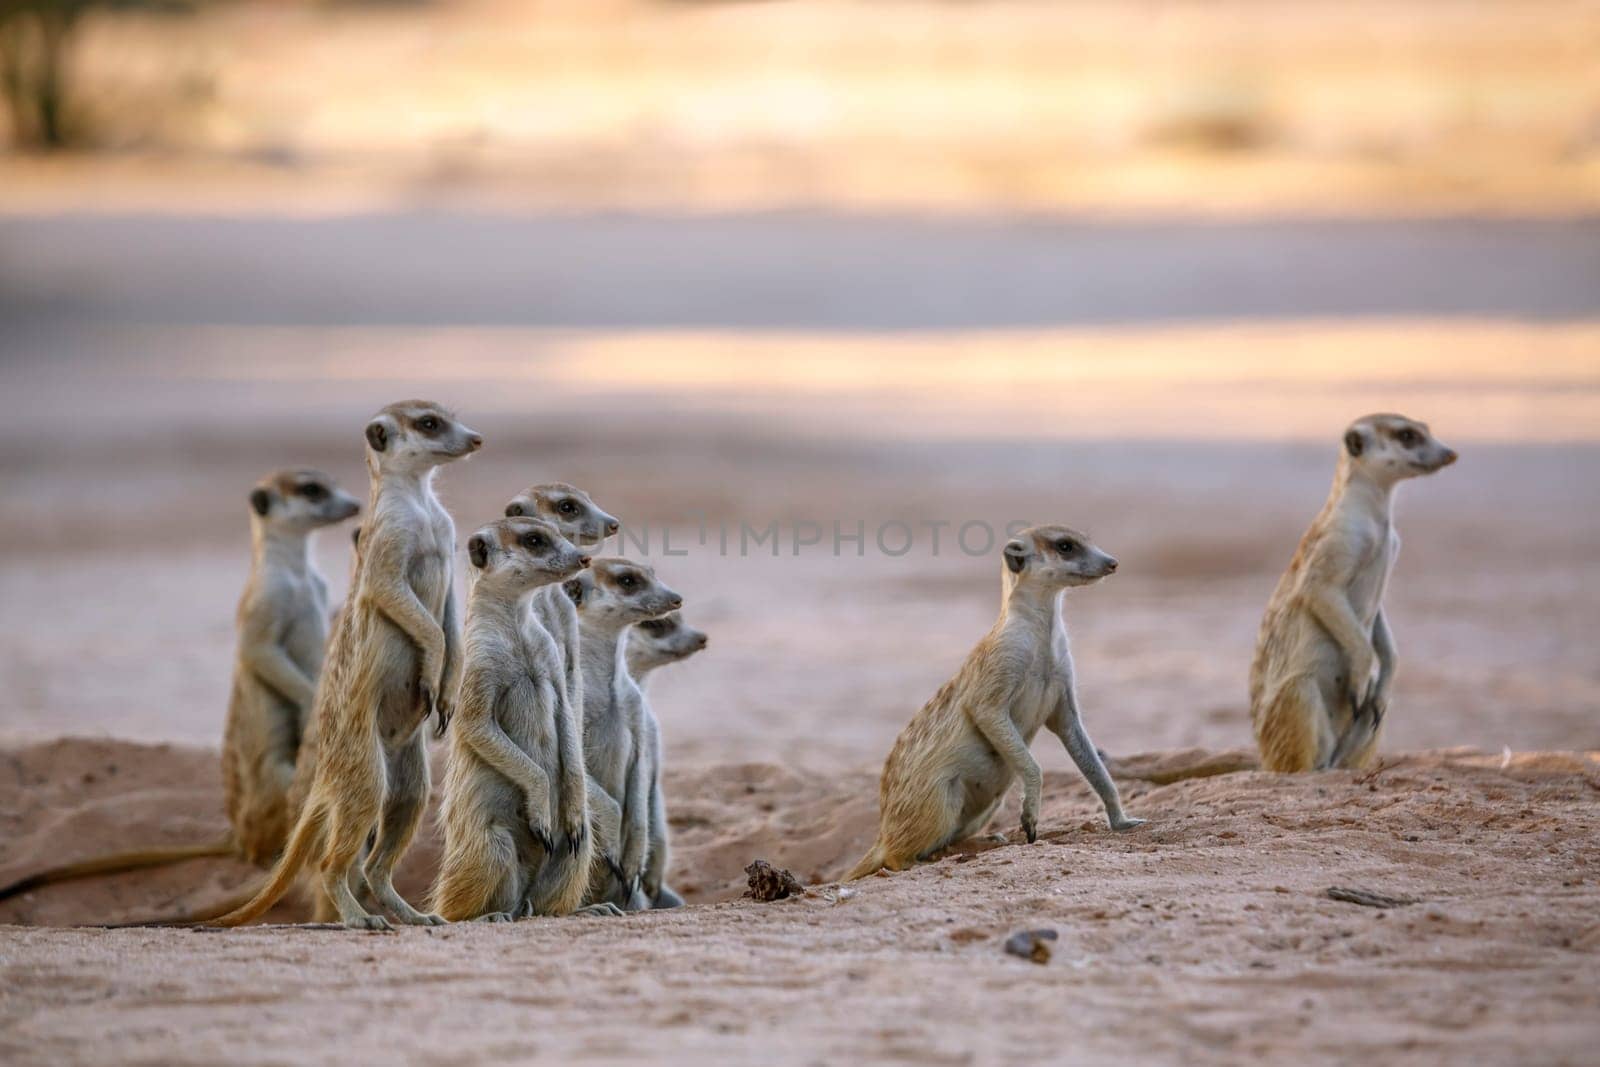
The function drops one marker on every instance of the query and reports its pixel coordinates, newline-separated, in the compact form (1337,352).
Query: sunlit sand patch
(1492,381)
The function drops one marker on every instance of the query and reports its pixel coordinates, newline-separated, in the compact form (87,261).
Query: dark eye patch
(431,425)
(313,492)
(567,507)
(1066,546)
(534,542)
(656,627)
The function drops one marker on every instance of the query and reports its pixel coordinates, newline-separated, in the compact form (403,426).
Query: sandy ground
(1206,936)
(1191,430)
(1194,107)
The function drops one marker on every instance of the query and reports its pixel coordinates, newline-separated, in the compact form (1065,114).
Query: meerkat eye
(533,542)
(627,581)
(313,492)
(652,626)
(513,510)
(428,424)
(1408,437)
(566,507)
(1066,547)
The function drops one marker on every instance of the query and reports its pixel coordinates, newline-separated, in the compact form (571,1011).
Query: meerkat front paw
(606,908)
(1030,827)
(1124,822)
(495,917)
(541,833)
(576,831)
(369,922)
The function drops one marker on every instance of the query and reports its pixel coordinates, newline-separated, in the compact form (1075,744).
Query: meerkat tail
(204,914)
(1209,765)
(306,836)
(873,862)
(117,862)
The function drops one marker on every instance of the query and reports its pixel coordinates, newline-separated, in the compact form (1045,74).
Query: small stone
(769,883)
(1032,945)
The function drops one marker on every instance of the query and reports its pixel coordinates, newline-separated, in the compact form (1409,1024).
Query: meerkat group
(553,800)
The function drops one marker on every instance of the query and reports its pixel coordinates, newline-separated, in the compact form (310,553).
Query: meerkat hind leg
(403,807)
(343,847)
(1297,732)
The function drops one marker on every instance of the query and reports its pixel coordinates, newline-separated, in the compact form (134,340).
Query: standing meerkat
(1314,702)
(395,660)
(951,766)
(655,643)
(610,597)
(282,626)
(582,522)
(515,815)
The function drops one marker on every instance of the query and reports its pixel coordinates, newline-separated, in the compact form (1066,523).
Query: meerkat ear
(1016,554)
(574,589)
(513,510)
(260,501)
(377,435)
(478,551)
(1354,442)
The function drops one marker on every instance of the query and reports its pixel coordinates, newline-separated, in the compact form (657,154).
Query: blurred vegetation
(36,38)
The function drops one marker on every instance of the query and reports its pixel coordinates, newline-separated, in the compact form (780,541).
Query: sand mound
(1206,936)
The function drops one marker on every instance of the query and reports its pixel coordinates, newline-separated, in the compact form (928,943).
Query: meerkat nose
(702,642)
(613,526)
(1449,457)
(583,561)
(677,602)
(475,442)
(1111,563)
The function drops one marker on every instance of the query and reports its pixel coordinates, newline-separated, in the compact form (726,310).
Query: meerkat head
(299,501)
(417,435)
(515,556)
(1392,447)
(658,642)
(575,515)
(1056,557)
(616,593)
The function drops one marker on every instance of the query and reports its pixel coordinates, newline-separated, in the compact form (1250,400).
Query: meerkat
(655,643)
(951,766)
(1314,702)
(583,523)
(515,814)
(610,597)
(282,626)
(395,660)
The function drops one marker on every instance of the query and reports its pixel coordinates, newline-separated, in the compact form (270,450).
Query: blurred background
(1131,266)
